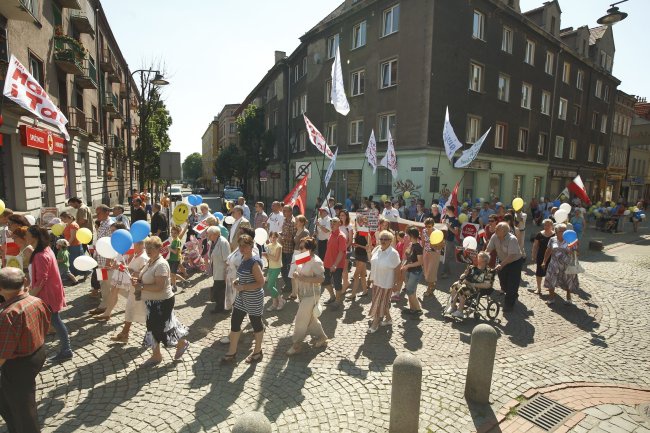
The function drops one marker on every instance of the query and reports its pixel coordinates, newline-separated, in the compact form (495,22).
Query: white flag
(468,155)
(371,151)
(390,159)
(326,202)
(317,138)
(22,88)
(339,101)
(330,169)
(452,144)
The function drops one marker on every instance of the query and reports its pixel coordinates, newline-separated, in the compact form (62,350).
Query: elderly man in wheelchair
(474,283)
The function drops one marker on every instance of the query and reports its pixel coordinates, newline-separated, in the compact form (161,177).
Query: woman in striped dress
(249,300)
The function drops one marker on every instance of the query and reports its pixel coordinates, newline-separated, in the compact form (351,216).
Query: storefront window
(384,181)
(537,187)
(42,167)
(495,186)
(468,186)
(517,184)
(345,182)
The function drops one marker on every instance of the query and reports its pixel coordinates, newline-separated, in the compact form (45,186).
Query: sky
(214,52)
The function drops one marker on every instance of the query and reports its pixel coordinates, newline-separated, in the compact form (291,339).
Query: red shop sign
(42,139)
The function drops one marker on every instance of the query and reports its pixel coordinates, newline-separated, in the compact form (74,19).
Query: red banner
(42,139)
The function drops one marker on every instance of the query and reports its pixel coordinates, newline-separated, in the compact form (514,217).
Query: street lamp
(613,15)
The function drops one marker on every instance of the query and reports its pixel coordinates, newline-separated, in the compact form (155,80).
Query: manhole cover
(544,412)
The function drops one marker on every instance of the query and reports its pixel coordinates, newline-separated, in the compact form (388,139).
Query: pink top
(44,268)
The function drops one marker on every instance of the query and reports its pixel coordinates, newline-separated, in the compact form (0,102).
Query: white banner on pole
(452,144)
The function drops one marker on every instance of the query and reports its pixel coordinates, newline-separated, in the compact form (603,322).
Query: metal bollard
(482,350)
(405,394)
(252,422)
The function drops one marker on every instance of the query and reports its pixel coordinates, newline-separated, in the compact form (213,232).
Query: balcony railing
(77,120)
(20,10)
(92,126)
(88,79)
(116,75)
(70,4)
(108,61)
(80,21)
(116,145)
(110,102)
(69,54)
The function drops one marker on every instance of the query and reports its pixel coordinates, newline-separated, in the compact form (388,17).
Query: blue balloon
(199,200)
(191,199)
(557,203)
(219,216)
(121,241)
(570,236)
(140,230)
(637,215)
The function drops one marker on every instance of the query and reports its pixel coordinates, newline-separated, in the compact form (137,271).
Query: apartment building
(619,149)
(547,93)
(227,130)
(69,48)
(209,150)
(638,169)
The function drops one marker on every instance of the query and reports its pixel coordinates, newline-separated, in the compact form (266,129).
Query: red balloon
(12,249)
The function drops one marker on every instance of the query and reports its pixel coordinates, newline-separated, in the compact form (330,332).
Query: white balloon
(104,248)
(566,207)
(470,243)
(560,215)
(30,219)
(261,236)
(55,221)
(229,219)
(84,263)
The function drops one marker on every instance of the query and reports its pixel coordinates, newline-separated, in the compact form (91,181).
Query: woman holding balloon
(70,229)
(432,242)
(559,255)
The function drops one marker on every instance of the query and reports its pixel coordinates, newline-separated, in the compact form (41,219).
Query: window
(473,129)
(384,181)
(100,166)
(356,132)
(526,95)
(606,94)
(388,74)
(506,40)
(478,27)
(592,151)
(332,45)
(608,65)
(386,121)
(517,185)
(576,114)
(328,92)
(550,60)
(529,56)
(603,58)
(303,104)
(295,107)
(359,35)
(475,77)
(296,73)
(537,186)
(599,88)
(57,15)
(566,72)
(233,128)
(31,6)
(594,119)
(522,143)
(542,142)
(546,103)
(330,134)
(559,146)
(304,67)
(36,68)
(302,141)
(500,135)
(276,117)
(390,21)
(358,83)
(600,156)
(573,149)
(603,124)
(503,91)
(495,185)
(562,109)
(580,78)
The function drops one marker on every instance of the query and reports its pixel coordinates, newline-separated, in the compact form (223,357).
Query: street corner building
(68,48)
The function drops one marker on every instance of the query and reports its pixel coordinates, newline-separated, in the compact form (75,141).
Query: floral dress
(556,275)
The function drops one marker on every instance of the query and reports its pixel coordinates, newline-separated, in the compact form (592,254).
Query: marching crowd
(382,250)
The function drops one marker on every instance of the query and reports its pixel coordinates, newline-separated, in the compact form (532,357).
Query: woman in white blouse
(386,277)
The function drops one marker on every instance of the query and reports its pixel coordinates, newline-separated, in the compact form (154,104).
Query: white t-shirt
(382,271)
(326,223)
(160,268)
(137,263)
(391,214)
(276,221)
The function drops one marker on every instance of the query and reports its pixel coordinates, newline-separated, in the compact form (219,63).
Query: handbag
(576,267)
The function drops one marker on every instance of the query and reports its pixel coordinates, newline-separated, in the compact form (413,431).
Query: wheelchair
(478,305)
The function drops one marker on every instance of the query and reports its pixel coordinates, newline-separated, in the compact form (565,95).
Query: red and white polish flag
(578,188)
(481,234)
(164,249)
(201,227)
(102,274)
(363,231)
(303,258)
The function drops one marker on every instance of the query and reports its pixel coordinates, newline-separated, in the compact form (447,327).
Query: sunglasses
(385,239)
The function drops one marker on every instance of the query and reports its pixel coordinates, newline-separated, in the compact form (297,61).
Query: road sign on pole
(170,166)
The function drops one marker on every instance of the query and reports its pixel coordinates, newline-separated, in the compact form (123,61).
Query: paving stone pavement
(346,386)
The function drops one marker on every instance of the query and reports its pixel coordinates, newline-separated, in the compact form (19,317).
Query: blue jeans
(62,333)
(412,280)
(75,251)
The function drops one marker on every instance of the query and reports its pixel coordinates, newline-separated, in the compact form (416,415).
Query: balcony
(108,61)
(116,145)
(81,23)
(70,4)
(116,75)
(69,54)
(19,10)
(88,79)
(123,90)
(110,103)
(92,127)
(77,120)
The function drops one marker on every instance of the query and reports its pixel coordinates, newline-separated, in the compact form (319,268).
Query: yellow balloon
(462,218)
(384,197)
(181,212)
(57,229)
(2,206)
(517,204)
(436,237)
(84,235)
(406,194)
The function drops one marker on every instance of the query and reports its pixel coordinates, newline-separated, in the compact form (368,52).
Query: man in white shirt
(331,202)
(323,229)
(390,213)
(276,219)
(510,263)
(241,201)
(119,217)
(235,229)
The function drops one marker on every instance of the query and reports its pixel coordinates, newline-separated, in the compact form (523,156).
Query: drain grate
(544,412)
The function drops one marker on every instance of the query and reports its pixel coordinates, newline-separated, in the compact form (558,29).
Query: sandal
(255,357)
(180,351)
(102,318)
(351,298)
(229,358)
(120,338)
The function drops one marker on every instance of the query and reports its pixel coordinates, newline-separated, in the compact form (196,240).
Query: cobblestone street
(603,339)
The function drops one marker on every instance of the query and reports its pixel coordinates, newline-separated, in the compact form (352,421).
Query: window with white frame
(356,132)
(517,185)
(500,135)
(537,186)
(358,82)
(603,124)
(608,66)
(550,61)
(559,146)
(304,67)
(526,95)
(384,181)
(573,149)
(328,91)
(475,77)
(276,117)
(599,88)
(359,35)
(387,121)
(603,58)
(503,91)
(529,55)
(606,94)
(478,25)
(330,134)
(302,141)
(303,104)
(591,152)
(522,142)
(390,21)
(295,107)
(332,45)
(506,39)
(542,143)
(296,73)
(580,78)
(594,119)
(546,102)
(566,72)
(388,73)
(562,109)
(473,129)
(576,114)
(600,156)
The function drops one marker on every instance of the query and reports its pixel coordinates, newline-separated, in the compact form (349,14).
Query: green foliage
(193,167)
(255,143)
(155,139)
(227,163)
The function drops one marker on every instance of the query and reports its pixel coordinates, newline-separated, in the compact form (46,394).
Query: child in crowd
(63,259)
(273,255)
(175,254)
(403,243)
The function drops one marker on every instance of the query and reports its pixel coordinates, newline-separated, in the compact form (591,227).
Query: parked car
(176,192)
(200,191)
(232,194)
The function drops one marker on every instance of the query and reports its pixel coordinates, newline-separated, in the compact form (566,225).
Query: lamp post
(146,85)
(613,15)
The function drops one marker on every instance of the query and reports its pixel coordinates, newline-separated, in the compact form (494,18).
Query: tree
(256,145)
(227,163)
(193,167)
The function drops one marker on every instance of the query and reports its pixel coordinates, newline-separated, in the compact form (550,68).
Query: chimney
(279,55)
